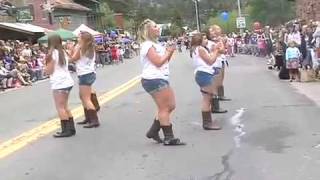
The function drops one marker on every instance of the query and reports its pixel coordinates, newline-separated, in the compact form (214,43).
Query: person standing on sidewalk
(214,35)
(293,56)
(84,57)
(205,75)
(155,80)
(61,84)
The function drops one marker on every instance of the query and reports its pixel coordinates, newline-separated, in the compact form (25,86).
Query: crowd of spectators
(115,52)
(291,48)
(21,64)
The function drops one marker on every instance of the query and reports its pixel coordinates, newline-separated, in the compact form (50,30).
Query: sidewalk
(309,89)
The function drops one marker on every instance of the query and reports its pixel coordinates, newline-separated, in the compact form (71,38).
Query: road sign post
(241,23)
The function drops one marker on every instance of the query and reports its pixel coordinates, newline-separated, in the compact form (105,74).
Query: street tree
(272,12)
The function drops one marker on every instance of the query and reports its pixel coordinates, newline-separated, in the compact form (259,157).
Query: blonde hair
(215,28)
(143,33)
(292,44)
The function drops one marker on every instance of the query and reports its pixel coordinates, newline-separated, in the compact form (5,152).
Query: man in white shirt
(26,52)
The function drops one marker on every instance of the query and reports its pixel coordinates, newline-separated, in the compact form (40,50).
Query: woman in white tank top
(61,84)
(84,57)
(214,34)
(155,80)
(205,75)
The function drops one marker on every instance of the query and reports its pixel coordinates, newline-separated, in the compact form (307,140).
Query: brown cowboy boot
(93,119)
(207,122)
(153,132)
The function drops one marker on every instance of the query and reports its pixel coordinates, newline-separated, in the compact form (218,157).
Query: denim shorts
(64,90)
(154,85)
(216,71)
(87,79)
(204,79)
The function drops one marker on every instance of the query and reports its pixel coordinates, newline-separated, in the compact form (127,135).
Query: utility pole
(239,9)
(240,14)
(196,3)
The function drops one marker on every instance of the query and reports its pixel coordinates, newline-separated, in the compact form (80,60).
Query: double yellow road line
(14,144)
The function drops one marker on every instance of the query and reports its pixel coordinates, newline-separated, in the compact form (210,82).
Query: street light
(196,3)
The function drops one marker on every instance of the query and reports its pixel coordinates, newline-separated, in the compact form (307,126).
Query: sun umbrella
(64,34)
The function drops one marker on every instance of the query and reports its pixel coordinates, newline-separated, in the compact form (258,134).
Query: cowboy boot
(221,94)
(86,118)
(72,128)
(95,101)
(154,131)
(169,139)
(67,130)
(215,106)
(63,127)
(207,122)
(93,119)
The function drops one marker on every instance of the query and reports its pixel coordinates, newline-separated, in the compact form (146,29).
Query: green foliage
(129,25)
(120,6)
(229,26)
(177,18)
(272,12)
(177,23)
(175,30)
(108,15)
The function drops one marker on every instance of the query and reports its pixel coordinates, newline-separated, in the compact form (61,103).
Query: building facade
(58,14)
(50,14)
(308,9)
(94,16)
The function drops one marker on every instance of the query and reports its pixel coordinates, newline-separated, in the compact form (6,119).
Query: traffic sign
(241,22)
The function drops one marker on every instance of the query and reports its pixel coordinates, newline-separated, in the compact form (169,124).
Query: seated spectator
(36,68)
(26,52)
(25,71)
(5,79)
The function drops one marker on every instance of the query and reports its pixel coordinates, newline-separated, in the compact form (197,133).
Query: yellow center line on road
(12,145)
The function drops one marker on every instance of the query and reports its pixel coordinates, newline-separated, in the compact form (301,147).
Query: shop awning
(24,28)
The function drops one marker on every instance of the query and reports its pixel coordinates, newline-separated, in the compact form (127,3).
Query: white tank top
(149,70)
(60,78)
(220,60)
(85,65)
(200,64)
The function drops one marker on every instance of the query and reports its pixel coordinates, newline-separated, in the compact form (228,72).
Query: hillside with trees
(182,12)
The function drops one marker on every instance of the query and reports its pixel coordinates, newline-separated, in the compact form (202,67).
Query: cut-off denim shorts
(64,90)
(216,71)
(204,79)
(87,79)
(154,85)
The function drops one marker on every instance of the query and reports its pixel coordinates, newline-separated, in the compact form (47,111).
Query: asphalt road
(270,133)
